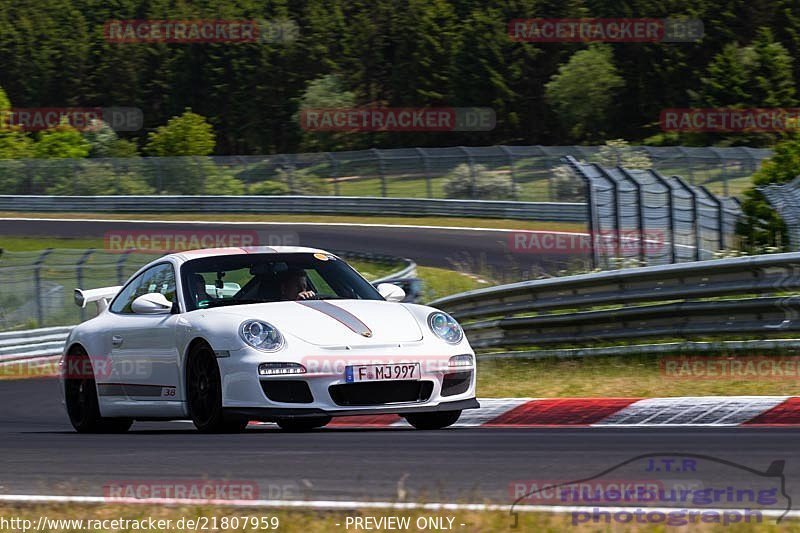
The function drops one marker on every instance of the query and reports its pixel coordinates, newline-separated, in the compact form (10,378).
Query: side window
(160,278)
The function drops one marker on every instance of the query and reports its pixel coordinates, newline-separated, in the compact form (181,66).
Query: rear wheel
(204,392)
(80,395)
(303,424)
(433,420)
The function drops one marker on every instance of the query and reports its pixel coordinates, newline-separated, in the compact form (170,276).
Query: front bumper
(323,391)
(272,414)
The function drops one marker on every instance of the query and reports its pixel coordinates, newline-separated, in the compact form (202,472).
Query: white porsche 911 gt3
(283,334)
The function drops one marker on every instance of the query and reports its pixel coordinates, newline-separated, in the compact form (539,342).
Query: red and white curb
(700,411)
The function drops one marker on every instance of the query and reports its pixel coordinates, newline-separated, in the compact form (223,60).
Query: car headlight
(261,335)
(445,327)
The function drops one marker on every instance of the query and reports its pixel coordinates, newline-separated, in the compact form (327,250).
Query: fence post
(334,172)
(471,164)
(382,170)
(508,153)
(573,163)
(289,166)
(159,179)
(79,275)
(427,167)
(720,217)
(697,239)
(671,206)
(617,214)
(37,285)
(639,212)
(121,266)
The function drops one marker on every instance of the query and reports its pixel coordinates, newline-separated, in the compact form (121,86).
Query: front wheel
(204,392)
(80,396)
(433,420)
(303,424)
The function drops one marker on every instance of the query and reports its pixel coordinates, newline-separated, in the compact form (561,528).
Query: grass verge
(614,376)
(299,219)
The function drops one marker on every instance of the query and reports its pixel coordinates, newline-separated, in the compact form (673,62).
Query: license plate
(397,371)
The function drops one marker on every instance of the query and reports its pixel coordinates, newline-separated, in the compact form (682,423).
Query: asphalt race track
(428,246)
(41,455)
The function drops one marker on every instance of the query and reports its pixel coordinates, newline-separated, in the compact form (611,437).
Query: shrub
(479,183)
(268,188)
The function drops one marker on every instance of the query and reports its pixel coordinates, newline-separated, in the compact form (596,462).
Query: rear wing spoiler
(102,297)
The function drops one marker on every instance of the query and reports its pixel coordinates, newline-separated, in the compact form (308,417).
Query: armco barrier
(304,205)
(32,344)
(651,302)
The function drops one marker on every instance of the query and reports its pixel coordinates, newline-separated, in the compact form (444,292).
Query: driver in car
(294,286)
(202,298)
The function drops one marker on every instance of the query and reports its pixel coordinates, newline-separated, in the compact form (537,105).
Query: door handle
(116,341)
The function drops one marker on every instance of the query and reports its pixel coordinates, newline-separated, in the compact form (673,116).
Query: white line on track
(333,505)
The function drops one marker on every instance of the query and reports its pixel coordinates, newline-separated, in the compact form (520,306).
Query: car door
(144,351)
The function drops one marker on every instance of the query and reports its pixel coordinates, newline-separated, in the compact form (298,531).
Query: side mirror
(153,303)
(391,292)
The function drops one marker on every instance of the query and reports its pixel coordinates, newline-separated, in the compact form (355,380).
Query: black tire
(303,424)
(80,396)
(433,420)
(204,394)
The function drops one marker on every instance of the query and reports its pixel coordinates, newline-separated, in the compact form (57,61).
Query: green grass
(446,222)
(611,376)
(531,187)
(439,282)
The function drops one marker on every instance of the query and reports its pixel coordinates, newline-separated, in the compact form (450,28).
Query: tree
(104,142)
(5,105)
(761,226)
(326,92)
(619,153)
(583,91)
(188,134)
(62,142)
(754,76)
(759,75)
(14,145)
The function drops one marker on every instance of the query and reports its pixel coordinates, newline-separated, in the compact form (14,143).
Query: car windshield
(256,278)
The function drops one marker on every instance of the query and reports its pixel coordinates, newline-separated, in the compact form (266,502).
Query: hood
(335,322)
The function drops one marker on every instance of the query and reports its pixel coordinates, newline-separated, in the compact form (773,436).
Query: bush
(303,182)
(479,183)
(566,186)
(268,188)
(760,227)
(97,179)
(222,184)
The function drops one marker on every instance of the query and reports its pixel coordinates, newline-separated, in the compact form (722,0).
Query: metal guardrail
(304,205)
(650,302)
(33,343)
